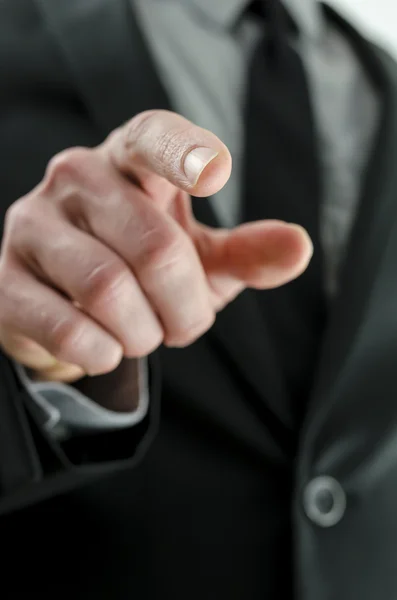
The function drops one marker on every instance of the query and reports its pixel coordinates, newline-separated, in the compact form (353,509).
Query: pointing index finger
(171,147)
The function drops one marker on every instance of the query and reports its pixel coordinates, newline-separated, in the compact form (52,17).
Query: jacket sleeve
(34,466)
(42,113)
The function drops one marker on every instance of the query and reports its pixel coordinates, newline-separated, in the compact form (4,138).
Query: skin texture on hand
(104,259)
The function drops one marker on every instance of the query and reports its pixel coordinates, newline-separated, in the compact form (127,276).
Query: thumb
(260,255)
(41,364)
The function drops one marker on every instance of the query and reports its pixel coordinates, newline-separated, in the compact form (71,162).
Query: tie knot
(275,16)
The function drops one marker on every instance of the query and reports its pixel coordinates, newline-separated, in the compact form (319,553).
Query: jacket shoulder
(41,111)
(385,55)
(19,21)
(28,54)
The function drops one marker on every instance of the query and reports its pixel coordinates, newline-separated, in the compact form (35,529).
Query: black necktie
(282,181)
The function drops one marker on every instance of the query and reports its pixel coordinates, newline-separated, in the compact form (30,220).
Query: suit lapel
(363,273)
(112,66)
(107,55)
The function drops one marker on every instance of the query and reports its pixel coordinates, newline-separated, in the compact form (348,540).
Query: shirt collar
(306,13)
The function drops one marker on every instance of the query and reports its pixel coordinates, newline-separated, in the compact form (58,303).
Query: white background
(378,18)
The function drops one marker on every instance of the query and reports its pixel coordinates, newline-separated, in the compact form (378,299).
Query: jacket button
(324,501)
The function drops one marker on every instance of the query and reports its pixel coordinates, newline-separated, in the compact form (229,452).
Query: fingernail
(196,161)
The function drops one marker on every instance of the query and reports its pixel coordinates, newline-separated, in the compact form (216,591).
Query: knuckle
(165,250)
(193,331)
(105,284)
(12,292)
(67,165)
(145,347)
(168,137)
(137,128)
(136,132)
(151,345)
(25,222)
(64,336)
(20,215)
(112,362)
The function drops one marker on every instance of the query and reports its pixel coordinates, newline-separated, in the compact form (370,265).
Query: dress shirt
(201,49)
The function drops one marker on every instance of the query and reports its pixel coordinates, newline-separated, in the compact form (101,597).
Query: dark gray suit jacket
(214,495)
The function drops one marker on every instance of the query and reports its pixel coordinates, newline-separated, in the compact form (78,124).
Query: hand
(104,259)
